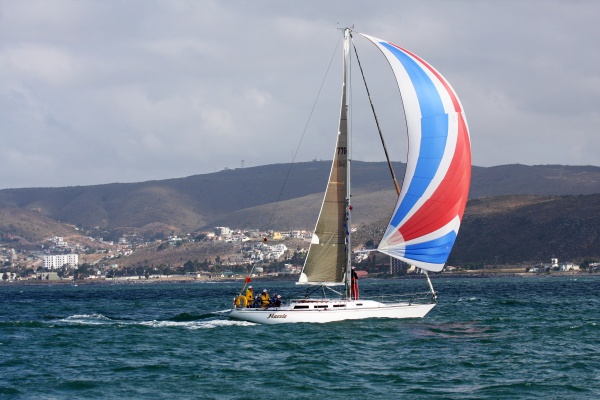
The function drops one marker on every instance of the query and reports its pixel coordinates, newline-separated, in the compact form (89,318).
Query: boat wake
(183,320)
(215,323)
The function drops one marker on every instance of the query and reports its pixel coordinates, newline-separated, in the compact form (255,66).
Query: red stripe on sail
(450,197)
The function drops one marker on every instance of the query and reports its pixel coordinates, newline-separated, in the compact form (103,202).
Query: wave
(85,319)
(21,324)
(470,299)
(470,329)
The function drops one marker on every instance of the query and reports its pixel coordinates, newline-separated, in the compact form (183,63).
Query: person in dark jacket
(354,285)
(276,302)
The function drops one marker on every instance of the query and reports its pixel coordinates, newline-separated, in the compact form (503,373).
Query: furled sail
(425,222)
(327,259)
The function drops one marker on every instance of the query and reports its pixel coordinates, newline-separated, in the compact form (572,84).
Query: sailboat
(427,216)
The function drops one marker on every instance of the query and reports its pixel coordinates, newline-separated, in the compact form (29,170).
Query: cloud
(98,92)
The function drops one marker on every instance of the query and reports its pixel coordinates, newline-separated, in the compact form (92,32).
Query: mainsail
(327,259)
(432,201)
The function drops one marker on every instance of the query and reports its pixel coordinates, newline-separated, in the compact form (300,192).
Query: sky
(95,92)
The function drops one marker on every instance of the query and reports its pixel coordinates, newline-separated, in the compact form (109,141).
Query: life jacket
(265,299)
(249,296)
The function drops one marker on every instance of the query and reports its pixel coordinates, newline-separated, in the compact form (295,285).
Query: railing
(417,297)
(410,298)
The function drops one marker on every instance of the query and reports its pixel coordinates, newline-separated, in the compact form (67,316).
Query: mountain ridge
(199,201)
(515,213)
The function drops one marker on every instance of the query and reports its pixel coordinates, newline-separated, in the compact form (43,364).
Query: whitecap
(86,319)
(88,316)
(469,299)
(205,324)
(224,322)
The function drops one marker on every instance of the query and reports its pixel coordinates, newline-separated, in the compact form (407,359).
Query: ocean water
(489,338)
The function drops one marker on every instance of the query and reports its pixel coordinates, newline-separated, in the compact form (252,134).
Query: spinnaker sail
(427,217)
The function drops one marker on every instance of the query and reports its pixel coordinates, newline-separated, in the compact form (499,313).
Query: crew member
(249,296)
(265,299)
(354,284)
(276,301)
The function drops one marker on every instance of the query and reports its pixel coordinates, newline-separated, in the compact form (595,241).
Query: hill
(516,229)
(30,226)
(515,213)
(214,199)
(495,231)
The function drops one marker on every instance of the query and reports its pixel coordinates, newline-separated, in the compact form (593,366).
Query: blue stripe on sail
(434,132)
(428,95)
(435,251)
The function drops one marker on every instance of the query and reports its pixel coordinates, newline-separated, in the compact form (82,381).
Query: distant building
(174,240)
(414,270)
(50,276)
(277,236)
(223,231)
(290,269)
(278,250)
(396,266)
(59,242)
(567,266)
(57,261)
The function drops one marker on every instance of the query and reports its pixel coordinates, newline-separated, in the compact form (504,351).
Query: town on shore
(228,254)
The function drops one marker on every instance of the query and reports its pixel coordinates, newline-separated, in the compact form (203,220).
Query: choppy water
(497,338)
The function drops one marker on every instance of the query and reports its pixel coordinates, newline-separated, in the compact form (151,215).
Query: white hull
(322,311)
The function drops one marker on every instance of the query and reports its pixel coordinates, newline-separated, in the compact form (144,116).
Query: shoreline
(184,280)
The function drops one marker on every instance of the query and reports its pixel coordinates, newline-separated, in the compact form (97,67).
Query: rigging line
(303,133)
(298,147)
(377,122)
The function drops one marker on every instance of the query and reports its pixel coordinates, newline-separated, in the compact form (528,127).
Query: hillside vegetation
(515,212)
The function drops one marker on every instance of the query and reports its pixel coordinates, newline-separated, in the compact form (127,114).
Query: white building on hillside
(59,242)
(223,231)
(568,266)
(57,261)
(278,250)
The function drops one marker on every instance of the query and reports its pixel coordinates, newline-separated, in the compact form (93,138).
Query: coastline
(190,280)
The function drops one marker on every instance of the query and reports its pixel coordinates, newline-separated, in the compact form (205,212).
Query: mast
(347,37)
